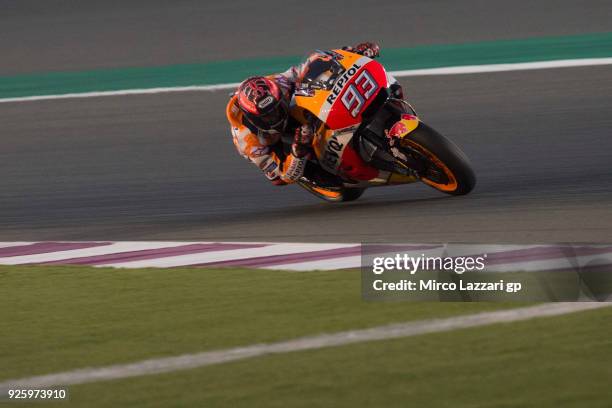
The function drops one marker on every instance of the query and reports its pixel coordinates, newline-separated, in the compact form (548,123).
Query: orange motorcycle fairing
(339,102)
(342,104)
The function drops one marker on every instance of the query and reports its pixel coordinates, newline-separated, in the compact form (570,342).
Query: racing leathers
(264,148)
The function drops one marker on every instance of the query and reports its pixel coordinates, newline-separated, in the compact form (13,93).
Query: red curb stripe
(145,254)
(46,247)
(288,258)
(541,254)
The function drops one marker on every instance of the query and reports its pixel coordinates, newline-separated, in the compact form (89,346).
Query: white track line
(14,244)
(517,66)
(189,361)
(467,69)
(122,92)
(552,264)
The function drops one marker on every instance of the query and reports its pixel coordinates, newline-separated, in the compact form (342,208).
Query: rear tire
(351,194)
(446,157)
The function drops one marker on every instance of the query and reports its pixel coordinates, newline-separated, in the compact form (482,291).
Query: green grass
(60,318)
(550,362)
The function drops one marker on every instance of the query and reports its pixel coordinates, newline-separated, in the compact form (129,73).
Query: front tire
(449,169)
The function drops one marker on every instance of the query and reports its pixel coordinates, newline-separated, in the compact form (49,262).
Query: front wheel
(447,168)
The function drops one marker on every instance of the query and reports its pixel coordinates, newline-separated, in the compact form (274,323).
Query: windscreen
(320,70)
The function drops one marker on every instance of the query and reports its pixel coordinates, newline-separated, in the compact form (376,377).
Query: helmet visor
(274,119)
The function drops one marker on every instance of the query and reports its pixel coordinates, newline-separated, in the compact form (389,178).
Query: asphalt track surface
(163,166)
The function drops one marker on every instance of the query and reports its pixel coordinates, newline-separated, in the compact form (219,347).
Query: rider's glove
(302,141)
(367,49)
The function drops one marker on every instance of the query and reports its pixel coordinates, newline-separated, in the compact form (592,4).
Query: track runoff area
(201,300)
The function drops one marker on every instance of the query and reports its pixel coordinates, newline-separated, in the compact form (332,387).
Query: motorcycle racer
(258,114)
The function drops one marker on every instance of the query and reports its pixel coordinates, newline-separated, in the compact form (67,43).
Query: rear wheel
(447,169)
(351,194)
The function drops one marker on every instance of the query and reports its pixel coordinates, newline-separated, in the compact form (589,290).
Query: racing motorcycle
(365,136)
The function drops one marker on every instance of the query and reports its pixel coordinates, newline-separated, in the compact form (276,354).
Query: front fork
(400,168)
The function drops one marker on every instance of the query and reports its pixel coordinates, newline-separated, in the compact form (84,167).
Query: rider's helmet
(262,102)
